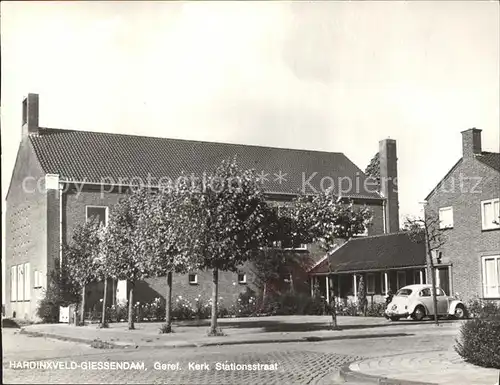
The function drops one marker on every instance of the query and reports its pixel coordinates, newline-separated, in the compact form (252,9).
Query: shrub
(484,309)
(246,304)
(117,313)
(202,309)
(376,310)
(349,308)
(182,309)
(60,292)
(295,304)
(478,342)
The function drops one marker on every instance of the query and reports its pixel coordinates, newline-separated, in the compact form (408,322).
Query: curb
(124,345)
(350,375)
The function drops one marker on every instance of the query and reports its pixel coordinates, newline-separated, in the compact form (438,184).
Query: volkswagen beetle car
(416,301)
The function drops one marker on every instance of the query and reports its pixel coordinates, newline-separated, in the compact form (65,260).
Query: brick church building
(62,177)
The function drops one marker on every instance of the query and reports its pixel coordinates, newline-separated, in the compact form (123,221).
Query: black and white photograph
(250,192)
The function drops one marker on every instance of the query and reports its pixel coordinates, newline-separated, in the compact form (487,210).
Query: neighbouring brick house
(467,203)
(62,177)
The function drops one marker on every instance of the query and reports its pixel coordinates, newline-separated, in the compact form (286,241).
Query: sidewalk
(426,367)
(236,330)
(443,367)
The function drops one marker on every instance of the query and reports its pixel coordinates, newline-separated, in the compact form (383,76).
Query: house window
(242,278)
(100,212)
(13,283)
(38,279)
(20,282)
(401,279)
(491,277)
(490,214)
(27,282)
(370,283)
(294,246)
(446,217)
(193,279)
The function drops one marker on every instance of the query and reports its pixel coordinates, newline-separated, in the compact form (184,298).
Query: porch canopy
(386,262)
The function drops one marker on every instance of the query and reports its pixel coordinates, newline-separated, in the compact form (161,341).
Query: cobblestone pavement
(297,363)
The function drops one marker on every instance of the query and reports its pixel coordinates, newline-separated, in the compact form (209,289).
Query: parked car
(416,301)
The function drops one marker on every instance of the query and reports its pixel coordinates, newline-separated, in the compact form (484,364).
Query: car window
(403,293)
(439,292)
(425,293)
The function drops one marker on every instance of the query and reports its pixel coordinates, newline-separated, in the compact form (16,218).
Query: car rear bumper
(392,313)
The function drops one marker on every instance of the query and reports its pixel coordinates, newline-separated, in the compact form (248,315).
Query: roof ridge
(48,129)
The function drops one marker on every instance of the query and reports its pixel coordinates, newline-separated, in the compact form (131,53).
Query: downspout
(61,186)
(384,215)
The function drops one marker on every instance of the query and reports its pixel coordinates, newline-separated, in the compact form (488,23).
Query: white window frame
(13,284)
(27,282)
(106,212)
(496,258)
(302,246)
(244,280)
(38,279)
(371,276)
(195,281)
(490,226)
(445,226)
(20,283)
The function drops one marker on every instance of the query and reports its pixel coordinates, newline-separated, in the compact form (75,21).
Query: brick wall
(25,239)
(466,242)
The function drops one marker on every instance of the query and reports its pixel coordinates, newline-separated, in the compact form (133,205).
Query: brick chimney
(30,115)
(389,184)
(471,142)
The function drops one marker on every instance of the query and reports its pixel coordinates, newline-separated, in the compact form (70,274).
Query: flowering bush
(182,309)
(117,313)
(202,308)
(246,304)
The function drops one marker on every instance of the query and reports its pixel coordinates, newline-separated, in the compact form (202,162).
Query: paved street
(297,363)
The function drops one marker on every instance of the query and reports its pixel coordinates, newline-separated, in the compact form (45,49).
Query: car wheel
(418,313)
(394,318)
(459,312)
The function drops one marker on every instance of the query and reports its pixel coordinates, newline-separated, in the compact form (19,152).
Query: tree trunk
(168,303)
(131,307)
(264,293)
(82,309)
(104,323)
(434,297)
(215,289)
(113,297)
(430,265)
(333,311)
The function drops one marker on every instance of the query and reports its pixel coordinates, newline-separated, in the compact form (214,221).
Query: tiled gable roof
(491,159)
(96,157)
(375,252)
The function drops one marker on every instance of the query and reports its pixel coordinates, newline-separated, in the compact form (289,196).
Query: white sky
(334,76)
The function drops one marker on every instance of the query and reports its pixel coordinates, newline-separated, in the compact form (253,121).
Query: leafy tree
(230,212)
(82,257)
(126,251)
(165,224)
(325,219)
(427,230)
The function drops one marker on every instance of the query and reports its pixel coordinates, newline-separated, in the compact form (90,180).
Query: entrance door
(443,279)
